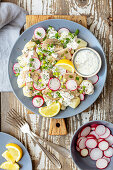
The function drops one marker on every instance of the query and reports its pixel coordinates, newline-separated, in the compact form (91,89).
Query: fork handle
(60,149)
(51,157)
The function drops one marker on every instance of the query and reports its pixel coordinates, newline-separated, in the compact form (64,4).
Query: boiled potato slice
(20,81)
(75,102)
(81,43)
(27,92)
(22,60)
(78,79)
(30,45)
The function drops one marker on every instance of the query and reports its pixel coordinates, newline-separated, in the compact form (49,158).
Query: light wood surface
(99,20)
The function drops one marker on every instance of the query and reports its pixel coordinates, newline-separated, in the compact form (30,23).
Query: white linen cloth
(12,18)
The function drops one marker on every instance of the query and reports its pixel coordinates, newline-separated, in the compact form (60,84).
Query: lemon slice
(8,156)
(15,151)
(9,166)
(51,110)
(66,64)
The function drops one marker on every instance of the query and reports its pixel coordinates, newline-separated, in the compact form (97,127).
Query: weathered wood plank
(98,12)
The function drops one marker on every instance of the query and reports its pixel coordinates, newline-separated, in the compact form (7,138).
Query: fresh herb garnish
(77,78)
(31,59)
(31,88)
(76,32)
(44,38)
(57,35)
(78,41)
(70,76)
(38,33)
(17,74)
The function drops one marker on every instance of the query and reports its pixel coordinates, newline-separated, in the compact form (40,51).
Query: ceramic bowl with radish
(92,146)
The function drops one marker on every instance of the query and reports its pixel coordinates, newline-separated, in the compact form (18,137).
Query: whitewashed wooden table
(100,23)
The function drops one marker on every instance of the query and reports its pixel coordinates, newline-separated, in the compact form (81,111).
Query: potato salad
(46,73)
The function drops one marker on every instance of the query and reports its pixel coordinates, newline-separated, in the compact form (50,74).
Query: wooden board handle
(57,127)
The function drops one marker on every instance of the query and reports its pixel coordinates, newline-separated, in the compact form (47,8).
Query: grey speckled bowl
(87,163)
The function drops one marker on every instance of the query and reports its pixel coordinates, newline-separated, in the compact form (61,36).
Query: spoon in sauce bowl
(87,62)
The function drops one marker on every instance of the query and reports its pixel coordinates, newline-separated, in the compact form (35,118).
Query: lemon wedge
(15,151)
(9,166)
(51,110)
(66,64)
(8,156)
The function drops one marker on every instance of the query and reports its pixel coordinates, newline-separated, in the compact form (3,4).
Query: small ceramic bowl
(86,163)
(99,61)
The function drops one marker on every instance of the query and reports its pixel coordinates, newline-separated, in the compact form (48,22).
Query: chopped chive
(76,32)
(78,41)
(17,74)
(30,64)
(31,88)
(31,59)
(38,33)
(77,78)
(32,70)
(83,87)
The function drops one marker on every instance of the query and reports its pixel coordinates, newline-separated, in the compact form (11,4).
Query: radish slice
(101,163)
(16,68)
(94,79)
(100,130)
(63,30)
(79,139)
(110,139)
(84,152)
(93,133)
(82,143)
(96,154)
(107,159)
(38,86)
(54,84)
(35,64)
(109,152)
(38,101)
(103,145)
(106,135)
(71,85)
(77,148)
(81,97)
(85,131)
(91,143)
(91,136)
(39,33)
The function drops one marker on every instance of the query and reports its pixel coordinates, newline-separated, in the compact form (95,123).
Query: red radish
(61,30)
(35,64)
(96,154)
(106,135)
(101,163)
(54,84)
(77,148)
(91,136)
(16,68)
(107,159)
(109,152)
(110,139)
(81,97)
(38,101)
(39,33)
(94,79)
(71,85)
(94,125)
(100,130)
(91,143)
(84,152)
(38,86)
(79,139)
(103,145)
(82,143)
(85,131)
(93,133)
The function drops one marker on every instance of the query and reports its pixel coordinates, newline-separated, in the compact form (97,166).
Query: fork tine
(12,124)
(12,114)
(17,116)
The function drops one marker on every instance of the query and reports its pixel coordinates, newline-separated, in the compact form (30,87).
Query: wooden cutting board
(57,126)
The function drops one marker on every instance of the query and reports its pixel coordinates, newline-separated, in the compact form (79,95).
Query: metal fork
(14,119)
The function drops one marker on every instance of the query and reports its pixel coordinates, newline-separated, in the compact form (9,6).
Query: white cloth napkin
(12,18)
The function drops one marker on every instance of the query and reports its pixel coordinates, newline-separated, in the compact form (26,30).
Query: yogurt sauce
(86,62)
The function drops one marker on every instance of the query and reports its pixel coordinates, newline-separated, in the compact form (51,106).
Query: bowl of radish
(92,146)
